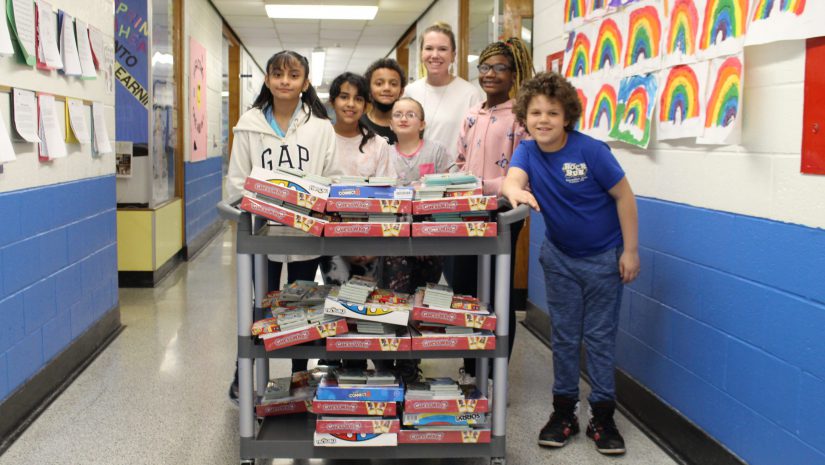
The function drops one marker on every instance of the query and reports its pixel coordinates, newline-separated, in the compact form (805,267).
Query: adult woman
(445,98)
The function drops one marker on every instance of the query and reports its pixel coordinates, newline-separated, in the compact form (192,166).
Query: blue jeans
(583,297)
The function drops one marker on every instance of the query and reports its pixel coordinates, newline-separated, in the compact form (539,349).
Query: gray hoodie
(308,145)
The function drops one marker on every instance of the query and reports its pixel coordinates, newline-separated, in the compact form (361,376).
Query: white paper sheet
(97,44)
(6,47)
(50,129)
(68,47)
(6,149)
(25,114)
(24,26)
(47,29)
(77,119)
(87,64)
(101,143)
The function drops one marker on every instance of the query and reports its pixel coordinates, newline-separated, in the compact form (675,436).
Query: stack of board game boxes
(289,197)
(372,207)
(292,394)
(452,205)
(444,321)
(297,316)
(438,410)
(377,318)
(353,409)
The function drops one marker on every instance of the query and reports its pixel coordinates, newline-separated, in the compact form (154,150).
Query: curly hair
(516,51)
(553,86)
(387,63)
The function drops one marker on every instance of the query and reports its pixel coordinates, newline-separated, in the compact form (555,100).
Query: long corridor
(157,394)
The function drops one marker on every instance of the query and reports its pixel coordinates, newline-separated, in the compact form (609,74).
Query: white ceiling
(350,45)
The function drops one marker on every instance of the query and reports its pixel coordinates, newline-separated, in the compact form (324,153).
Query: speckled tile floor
(157,394)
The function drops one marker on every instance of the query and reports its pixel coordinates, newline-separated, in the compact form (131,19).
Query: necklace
(427,86)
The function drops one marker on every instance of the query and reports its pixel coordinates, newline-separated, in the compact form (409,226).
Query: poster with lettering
(197,101)
(132,71)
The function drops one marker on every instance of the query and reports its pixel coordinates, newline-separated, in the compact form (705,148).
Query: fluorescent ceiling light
(321,12)
(316,67)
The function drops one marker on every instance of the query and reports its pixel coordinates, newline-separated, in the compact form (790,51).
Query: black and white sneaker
(602,429)
(556,432)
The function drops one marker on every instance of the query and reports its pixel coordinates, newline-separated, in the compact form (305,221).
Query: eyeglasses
(498,68)
(408,115)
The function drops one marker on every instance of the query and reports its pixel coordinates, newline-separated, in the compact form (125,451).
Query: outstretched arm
(514,188)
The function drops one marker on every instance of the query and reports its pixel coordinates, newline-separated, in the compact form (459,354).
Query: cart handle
(509,215)
(228,209)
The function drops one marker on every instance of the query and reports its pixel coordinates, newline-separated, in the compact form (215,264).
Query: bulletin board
(81,161)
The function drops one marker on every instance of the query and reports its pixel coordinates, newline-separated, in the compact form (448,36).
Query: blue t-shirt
(571,187)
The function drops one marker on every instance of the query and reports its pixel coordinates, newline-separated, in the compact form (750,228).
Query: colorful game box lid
(285,216)
(288,188)
(353,229)
(354,407)
(455,204)
(455,229)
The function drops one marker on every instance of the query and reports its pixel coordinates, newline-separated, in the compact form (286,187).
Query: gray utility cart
(291,436)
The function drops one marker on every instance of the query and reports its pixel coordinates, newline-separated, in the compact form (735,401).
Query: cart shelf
(248,348)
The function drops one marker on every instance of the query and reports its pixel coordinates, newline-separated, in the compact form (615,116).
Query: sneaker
(602,429)
(233,392)
(560,427)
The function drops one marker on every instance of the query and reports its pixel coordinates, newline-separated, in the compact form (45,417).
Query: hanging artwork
(634,109)
(574,14)
(608,45)
(723,107)
(681,101)
(197,101)
(599,8)
(775,20)
(601,113)
(581,84)
(577,53)
(682,32)
(723,28)
(643,39)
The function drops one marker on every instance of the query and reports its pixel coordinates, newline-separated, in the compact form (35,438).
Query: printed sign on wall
(132,71)
(197,101)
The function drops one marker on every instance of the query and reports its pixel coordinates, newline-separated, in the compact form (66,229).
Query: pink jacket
(487,140)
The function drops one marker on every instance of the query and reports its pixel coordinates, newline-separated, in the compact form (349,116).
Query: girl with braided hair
(489,135)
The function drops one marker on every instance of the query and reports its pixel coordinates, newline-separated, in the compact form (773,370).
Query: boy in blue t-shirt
(590,251)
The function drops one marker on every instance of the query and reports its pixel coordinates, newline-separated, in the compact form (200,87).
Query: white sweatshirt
(308,145)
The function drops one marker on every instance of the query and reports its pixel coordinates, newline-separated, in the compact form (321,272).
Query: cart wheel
(498,461)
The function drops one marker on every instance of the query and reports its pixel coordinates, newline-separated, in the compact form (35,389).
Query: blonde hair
(443,28)
(517,52)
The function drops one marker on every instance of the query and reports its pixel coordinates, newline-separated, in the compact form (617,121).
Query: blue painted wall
(203,191)
(726,324)
(58,271)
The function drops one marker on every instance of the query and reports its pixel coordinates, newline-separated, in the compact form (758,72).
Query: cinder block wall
(726,322)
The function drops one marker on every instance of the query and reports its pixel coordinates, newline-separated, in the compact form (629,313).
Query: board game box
(434,436)
(354,407)
(288,188)
(279,340)
(333,229)
(396,314)
(308,224)
(355,342)
(455,204)
(455,229)
(355,440)
(357,425)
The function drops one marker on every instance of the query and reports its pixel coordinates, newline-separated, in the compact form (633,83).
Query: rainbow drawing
(574,9)
(608,47)
(581,124)
(644,35)
(578,65)
(762,9)
(635,110)
(604,106)
(680,95)
(724,19)
(684,25)
(723,102)
(796,7)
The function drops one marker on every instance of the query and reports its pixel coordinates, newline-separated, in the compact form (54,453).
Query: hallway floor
(157,394)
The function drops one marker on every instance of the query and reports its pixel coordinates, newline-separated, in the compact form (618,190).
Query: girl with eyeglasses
(489,135)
